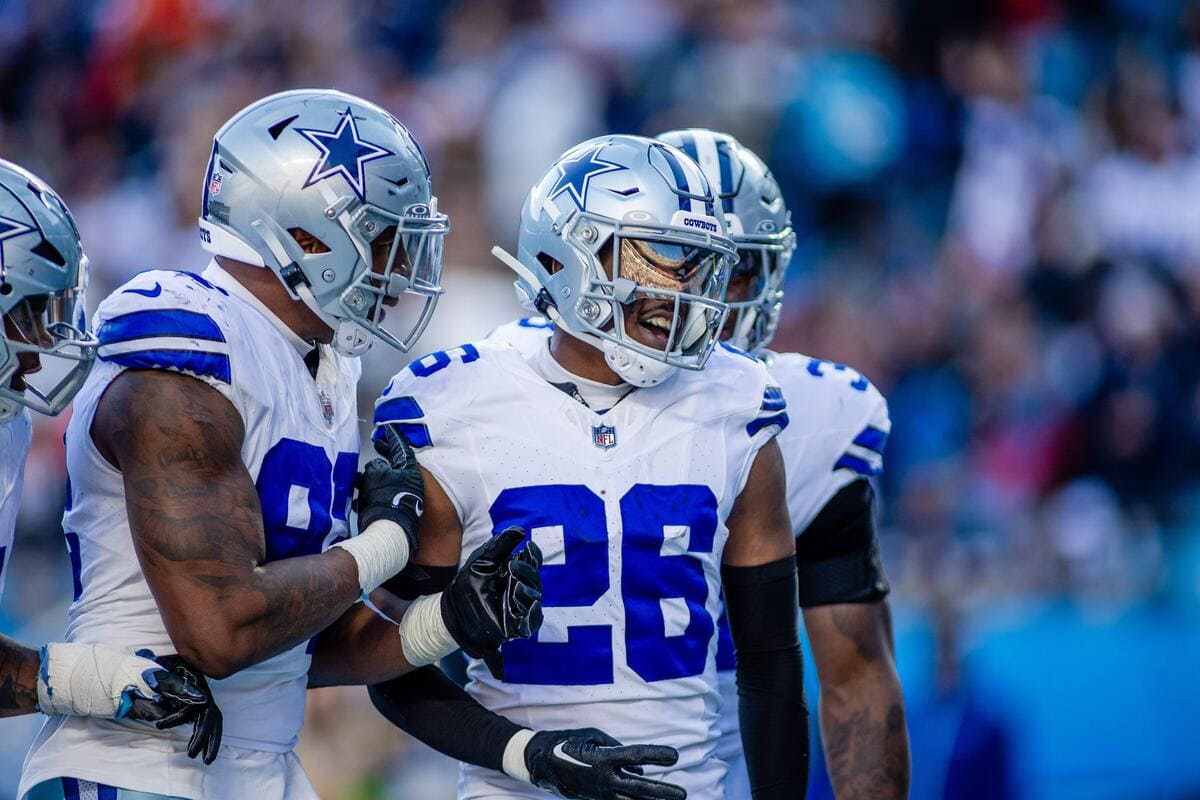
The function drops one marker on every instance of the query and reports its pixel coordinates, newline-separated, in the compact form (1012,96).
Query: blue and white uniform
(838,427)
(16,436)
(629,508)
(301,449)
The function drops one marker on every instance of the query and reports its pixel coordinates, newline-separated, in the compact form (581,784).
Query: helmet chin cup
(351,340)
(634,368)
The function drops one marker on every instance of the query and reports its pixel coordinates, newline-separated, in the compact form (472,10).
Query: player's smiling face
(649,319)
(26,324)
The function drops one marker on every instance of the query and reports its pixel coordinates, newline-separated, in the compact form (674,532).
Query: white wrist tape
(89,680)
(514,756)
(424,636)
(380,551)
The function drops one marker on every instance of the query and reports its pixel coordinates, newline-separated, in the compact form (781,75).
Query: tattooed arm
(18,678)
(198,532)
(861,707)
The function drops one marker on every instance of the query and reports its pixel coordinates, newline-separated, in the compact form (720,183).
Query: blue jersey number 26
(649,515)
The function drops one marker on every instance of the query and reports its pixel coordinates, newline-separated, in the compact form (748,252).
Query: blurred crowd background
(998,211)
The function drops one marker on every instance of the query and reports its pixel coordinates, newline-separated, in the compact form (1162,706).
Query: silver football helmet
(349,175)
(43,275)
(759,224)
(621,219)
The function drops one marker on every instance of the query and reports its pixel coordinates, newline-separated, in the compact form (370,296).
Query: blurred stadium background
(998,208)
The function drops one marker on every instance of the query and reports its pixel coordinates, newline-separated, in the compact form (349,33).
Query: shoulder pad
(434,381)
(841,404)
(167,320)
(737,384)
(526,334)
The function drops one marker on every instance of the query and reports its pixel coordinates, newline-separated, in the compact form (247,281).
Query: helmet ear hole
(309,243)
(550,264)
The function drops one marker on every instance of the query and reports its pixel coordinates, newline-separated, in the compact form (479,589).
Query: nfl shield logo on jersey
(604,436)
(214,183)
(327,407)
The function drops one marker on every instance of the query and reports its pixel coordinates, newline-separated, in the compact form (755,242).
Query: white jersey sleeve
(16,435)
(162,320)
(838,431)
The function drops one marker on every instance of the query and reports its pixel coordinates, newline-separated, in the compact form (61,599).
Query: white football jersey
(839,426)
(301,449)
(16,435)
(629,509)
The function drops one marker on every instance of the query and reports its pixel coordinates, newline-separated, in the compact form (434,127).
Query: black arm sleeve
(772,710)
(416,581)
(432,708)
(837,555)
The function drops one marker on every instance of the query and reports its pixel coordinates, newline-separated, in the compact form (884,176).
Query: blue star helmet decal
(8,229)
(574,174)
(343,153)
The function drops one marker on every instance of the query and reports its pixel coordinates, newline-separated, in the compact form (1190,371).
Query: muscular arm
(759,575)
(844,595)
(861,706)
(18,678)
(198,532)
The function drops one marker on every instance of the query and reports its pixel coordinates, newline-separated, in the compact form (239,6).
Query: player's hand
(588,764)
(496,596)
(392,489)
(208,722)
(91,680)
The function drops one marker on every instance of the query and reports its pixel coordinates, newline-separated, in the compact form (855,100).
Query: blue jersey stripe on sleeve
(773,399)
(398,408)
(872,438)
(860,466)
(757,425)
(70,788)
(212,365)
(158,323)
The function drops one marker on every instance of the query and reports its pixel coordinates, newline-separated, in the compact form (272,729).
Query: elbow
(217,651)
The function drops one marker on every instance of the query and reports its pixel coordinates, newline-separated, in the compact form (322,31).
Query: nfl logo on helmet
(604,436)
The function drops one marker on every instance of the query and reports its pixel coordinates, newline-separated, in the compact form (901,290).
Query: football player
(214,447)
(832,448)
(42,274)
(648,484)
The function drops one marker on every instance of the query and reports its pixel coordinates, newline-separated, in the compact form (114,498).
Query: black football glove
(392,489)
(171,697)
(208,722)
(588,764)
(496,596)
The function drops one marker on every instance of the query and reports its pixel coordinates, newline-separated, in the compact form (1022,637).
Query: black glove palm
(495,597)
(392,489)
(588,764)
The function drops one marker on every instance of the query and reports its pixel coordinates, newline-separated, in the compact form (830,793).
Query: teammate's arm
(849,623)
(197,527)
(18,678)
(91,680)
(759,579)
